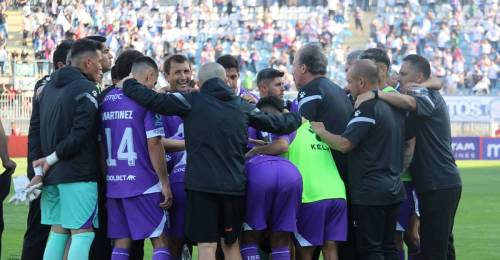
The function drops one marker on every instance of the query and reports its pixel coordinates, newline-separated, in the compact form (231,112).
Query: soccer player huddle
(240,176)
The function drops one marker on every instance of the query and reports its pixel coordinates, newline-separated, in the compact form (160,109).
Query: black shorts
(211,216)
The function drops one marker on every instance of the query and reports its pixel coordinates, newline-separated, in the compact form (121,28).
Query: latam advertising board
(476,148)
(473,108)
(466,148)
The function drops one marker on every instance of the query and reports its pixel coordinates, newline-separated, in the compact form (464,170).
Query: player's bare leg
(305,253)
(231,251)
(282,246)
(123,243)
(330,251)
(206,251)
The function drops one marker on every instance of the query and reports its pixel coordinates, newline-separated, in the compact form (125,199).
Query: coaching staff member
(435,174)
(215,124)
(321,100)
(374,139)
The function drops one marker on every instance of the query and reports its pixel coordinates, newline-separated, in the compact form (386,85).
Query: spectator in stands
(497,132)
(3,24)
(456,38)
(14,129)
(201,32)
(4,56)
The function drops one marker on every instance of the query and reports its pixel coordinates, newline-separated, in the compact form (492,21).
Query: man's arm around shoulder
(162,103)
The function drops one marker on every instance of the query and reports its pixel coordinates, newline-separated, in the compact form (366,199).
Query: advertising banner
(490,148)
(466,148)
(476,148)
(473,108)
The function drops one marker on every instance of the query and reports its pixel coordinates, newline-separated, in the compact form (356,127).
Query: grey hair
(211,70)
(313,57)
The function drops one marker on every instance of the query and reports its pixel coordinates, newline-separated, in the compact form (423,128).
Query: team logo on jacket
(302,94)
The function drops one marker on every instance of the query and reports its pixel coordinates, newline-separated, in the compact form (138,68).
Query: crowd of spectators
(260,36)
(461,40)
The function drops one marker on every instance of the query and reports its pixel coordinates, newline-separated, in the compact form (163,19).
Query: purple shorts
(274,192)
(322,221)
(406,209)
(177,212)
(137,217)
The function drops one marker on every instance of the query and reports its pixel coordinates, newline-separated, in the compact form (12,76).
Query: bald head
(209,71)
(362,77)
(366,69)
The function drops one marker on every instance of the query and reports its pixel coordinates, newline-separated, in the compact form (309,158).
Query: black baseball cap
(268,73)
(377,55)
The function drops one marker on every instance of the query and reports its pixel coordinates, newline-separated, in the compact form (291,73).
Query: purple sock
(401,254)
(250,252)
(281,253)
(161,253)
(119,254)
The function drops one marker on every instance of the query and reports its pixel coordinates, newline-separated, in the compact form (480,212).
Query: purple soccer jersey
(294,107)
(174,129)
(243,92)
(264,136)
(126,126)
(274,190)
(176,162)
(173,126)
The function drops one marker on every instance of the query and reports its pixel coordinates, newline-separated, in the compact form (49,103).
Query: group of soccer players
(204,162)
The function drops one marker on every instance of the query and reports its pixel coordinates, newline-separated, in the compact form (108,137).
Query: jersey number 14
(125,149)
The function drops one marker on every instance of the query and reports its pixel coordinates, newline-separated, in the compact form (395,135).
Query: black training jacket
(215,129)
(64,120)
(39,85)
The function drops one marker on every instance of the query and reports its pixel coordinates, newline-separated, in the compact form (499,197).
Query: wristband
(52,159)
(38,171)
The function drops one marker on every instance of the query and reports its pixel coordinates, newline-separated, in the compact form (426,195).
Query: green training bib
(320,176)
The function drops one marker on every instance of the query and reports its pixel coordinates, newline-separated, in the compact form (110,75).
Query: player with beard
(269,83)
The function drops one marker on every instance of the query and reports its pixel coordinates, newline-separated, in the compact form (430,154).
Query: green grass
(477,225)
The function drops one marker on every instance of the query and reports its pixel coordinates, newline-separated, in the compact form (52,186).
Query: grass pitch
(477,224)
